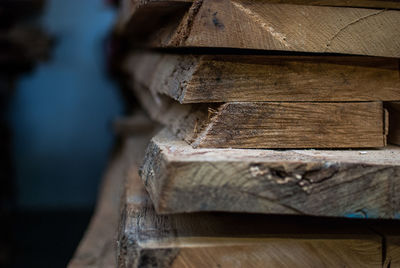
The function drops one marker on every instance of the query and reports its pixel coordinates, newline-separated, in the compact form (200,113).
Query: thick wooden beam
(258,24)
(339,183)
(270,124)
(224,78)
(394,122)
(236,240)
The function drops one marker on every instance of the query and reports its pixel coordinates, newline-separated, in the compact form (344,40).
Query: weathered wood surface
(258,24)
(394,122)
(235,240)
(132,5)
(340,183)
(224,78)
(98,246)
(269,124)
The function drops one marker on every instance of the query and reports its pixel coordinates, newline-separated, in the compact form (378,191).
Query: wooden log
(270,124)
(258,24)
(394,122)
(98,246)
(339,183)
(226,78)
(212,240)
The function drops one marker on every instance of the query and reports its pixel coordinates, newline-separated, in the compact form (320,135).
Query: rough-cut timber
(234,240)
(258,24)
(226,78)
(270,124)
(394,122)
(336,183)
(98,246)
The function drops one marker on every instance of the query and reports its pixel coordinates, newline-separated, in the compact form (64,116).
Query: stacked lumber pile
(274,107)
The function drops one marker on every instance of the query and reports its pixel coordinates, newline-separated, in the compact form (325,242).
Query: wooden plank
(130,6)
(339,183)
(211,240)
(258,24)
(98,246)
(390,231)
(269,124)
(225,78)
(394,122)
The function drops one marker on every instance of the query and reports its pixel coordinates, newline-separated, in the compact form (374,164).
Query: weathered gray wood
(394,122)
(258,24)
(336,183)
(236,240)
(224,78)
(98,246)
(269,124)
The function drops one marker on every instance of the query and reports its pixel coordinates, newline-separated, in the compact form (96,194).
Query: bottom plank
(237,240)
(339,183)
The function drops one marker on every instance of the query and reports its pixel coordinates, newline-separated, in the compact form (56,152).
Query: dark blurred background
(57,104)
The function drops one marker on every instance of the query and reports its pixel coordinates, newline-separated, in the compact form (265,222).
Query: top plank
(261,25)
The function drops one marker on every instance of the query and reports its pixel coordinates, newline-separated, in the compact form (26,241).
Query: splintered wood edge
(169,161)
(148,237)
(204,78)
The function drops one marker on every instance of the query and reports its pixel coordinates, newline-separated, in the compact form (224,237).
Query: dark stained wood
(236,240)
(258,24)
(339,183)
(224,78)
(394,122)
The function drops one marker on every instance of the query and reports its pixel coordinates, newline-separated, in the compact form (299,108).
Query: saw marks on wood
(270,124)
(236,240)
(258,24)
(312,182)
(224,78)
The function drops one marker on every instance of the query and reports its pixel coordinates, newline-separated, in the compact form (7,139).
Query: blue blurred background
(61,112)
(60,118)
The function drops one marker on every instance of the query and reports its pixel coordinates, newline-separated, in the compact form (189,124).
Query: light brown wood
(224,78)
(390,231)
(235,240)
(394,122)
(258,24)
(339,183)
(269,124)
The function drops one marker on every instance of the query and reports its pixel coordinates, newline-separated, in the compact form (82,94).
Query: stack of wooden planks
(271,107)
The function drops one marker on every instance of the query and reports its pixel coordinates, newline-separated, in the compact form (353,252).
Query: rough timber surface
(98,246)
(227,78)
(269,124)
(258,24)
(337,183)
(394,122)
(235,240)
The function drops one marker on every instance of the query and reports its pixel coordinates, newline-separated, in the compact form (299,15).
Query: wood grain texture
(211,240)
(258,24)
(98,246)
(269,124)
(390,231)
(225,78)
(394,122)
(313,182)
